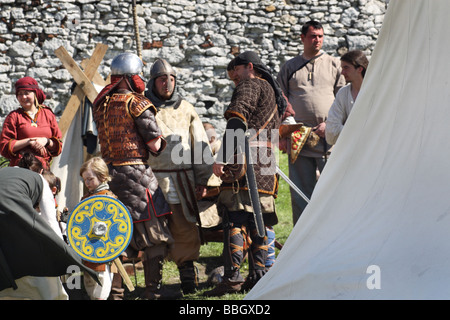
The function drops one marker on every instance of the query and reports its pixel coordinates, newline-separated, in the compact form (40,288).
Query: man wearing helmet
(182,169)
(128,133)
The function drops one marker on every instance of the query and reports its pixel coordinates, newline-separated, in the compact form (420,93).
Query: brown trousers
(186,235)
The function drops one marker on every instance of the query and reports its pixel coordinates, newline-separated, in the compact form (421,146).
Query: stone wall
(197,37)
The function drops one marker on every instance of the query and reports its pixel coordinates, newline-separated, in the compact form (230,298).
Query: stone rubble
(198,38)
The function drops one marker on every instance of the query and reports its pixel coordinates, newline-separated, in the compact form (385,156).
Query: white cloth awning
(378,224)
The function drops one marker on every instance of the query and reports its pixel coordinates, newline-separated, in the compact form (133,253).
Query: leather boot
(153,277)
(153,280)
(188,277)
(232,282)
(117,290)
(226,286)
(251,280)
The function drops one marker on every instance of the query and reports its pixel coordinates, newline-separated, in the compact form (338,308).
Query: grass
(210,253)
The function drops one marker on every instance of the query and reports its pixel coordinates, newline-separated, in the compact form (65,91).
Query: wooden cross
(84,88)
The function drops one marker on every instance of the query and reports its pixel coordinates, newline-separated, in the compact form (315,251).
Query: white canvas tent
(378,223)
(67,165)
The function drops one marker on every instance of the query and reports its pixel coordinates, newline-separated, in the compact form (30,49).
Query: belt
(191,199)
(128,162)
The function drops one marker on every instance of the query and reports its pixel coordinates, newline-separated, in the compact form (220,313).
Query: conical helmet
(162,67)
(126,64)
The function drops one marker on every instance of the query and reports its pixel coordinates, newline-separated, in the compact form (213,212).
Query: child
(31,162)
(95,175)
(55,187)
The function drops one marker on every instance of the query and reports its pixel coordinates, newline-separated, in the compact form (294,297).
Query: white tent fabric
(67,165)
(378,223)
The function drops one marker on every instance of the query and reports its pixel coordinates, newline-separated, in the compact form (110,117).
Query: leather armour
(119,138)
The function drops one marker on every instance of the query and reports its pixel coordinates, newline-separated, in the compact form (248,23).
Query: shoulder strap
(265,124)
(301,66)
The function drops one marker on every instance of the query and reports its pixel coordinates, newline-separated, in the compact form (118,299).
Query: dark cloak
(28,246)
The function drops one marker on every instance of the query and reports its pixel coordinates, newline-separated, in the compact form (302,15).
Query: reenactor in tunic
(257,102)
(183,168)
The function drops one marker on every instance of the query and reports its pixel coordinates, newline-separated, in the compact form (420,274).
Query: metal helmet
(161,67)
(126,64)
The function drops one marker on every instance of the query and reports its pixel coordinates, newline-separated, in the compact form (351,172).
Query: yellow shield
(99,229)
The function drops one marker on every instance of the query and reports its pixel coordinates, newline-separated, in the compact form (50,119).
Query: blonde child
(95,175)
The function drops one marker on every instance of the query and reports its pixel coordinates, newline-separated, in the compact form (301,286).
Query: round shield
(99,229)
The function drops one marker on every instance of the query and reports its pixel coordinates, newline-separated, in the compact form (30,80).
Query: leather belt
(129,162)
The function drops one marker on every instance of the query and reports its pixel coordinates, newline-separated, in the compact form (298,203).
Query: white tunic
(338,114)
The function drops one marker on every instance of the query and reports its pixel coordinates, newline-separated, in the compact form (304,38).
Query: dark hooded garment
(252,57)
(28,246)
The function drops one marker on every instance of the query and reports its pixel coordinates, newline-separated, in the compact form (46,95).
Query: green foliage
(4,162)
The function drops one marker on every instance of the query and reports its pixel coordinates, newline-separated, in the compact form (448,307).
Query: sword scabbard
(253,190)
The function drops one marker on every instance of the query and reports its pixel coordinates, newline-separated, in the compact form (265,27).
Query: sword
(253,190)
(292,185)
(237,125)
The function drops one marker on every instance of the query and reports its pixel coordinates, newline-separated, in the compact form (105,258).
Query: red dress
(18,125)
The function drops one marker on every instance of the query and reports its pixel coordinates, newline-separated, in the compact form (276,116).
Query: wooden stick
(80,78)
(124,274)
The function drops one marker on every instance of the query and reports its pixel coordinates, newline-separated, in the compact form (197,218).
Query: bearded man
(258,102)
